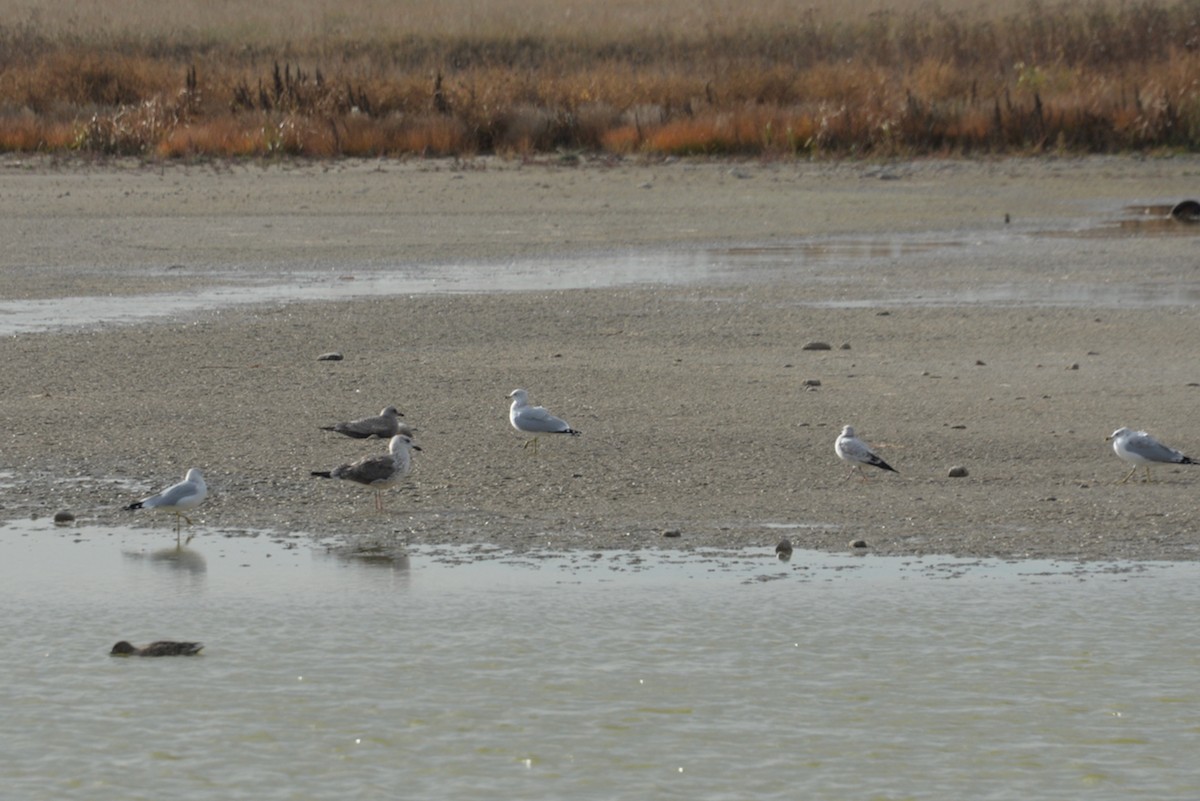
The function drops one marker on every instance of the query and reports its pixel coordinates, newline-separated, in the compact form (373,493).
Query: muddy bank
(705,421)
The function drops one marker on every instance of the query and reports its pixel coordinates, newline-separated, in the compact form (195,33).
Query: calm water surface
(608,676)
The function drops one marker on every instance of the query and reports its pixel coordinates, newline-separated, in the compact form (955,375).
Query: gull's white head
(1120,432)
(194,476)
(519,397)
(391,411)
(848,431)
(401,443)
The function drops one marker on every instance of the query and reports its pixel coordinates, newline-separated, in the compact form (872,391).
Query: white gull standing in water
(378,472)
(534,419)
(177,498)
(1142,450)
(854,451)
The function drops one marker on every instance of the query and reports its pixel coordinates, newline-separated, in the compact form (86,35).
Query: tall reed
(760,79)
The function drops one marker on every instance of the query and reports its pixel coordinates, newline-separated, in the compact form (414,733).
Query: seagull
(382,425)
(1139,448)
(379,472)
(783,551)
(535,419)
(160,648)
(176,498)
(854,451)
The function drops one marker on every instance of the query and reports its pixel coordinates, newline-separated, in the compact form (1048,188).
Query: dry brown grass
(521,77)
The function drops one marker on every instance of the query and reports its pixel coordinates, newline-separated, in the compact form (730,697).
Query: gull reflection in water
(181,558)
(388,561)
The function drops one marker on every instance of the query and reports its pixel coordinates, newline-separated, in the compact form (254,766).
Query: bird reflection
(180,557)
(392,560)
(387,561)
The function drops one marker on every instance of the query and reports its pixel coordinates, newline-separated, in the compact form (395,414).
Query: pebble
(817,346)
(783,551)
(674,532)
(958,471)
(332,356)
(64,517)
(858,543)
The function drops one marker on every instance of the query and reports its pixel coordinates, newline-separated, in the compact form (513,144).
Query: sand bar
(660,308)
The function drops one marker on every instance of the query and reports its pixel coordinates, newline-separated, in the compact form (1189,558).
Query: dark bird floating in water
(783,551)
(160,648)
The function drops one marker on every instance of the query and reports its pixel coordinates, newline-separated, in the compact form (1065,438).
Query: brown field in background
(525,77)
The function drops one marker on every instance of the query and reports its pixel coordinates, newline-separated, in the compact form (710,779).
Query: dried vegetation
(758,78)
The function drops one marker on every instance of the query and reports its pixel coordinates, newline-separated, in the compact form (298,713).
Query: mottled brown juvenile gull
(534,419)
(177,498)
(1142,450)
(383,425)
(160,648)
(854,451)
(379,472)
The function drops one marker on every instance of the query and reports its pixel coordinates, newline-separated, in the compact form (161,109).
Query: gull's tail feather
(877,462)
(134,505)
(322,473)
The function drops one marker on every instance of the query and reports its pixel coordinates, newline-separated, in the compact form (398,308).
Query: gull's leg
(1128,475)
(1149,478)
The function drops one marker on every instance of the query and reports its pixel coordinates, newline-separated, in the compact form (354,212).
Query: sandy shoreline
(1012,354)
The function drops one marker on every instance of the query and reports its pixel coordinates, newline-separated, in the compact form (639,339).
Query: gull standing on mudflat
(177,498)
(383,425)
(535,419)
(1142,450)
(378,472)
(854,451)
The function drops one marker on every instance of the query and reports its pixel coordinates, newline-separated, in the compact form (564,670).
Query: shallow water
(459,674)
(847,264)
